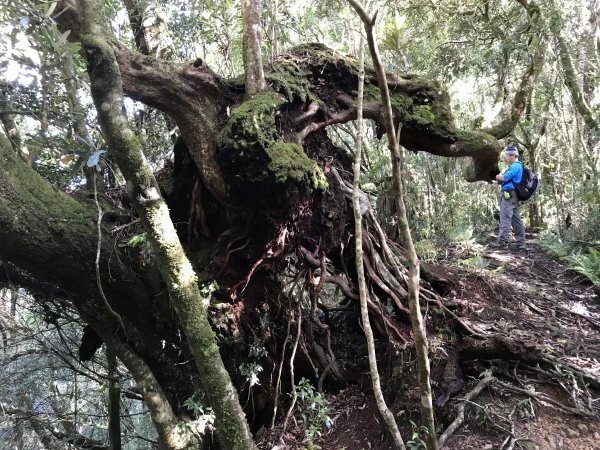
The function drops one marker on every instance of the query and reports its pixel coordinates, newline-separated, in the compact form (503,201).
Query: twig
(589,319)
(125,225)
(544,398)
(460,418)
(589,377)
(462,323)
(292,356)
(277,383)
(99,250)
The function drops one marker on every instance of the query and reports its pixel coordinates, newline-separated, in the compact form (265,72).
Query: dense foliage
(477,51)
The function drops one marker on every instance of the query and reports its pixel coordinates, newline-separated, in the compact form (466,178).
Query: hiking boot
(498,245)
(518,247)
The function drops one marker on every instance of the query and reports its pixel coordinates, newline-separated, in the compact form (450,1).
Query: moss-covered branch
(537,52)
(311,74)
(323,79)
(40,226)
(182,283)
(570,80)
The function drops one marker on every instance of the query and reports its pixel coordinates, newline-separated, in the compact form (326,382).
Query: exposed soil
(547,326)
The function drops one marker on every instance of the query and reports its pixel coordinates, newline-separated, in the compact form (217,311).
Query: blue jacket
(512,175)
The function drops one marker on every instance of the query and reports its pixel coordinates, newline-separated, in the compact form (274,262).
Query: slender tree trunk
(253,66)
(150,31)
(274,4)
(419,332)
(537,51)
(182,283)
(75,404)
(165,421)
(535,219)
(114,402)
(8,121)
(570,79)
(78,116)
(362,284)
(35,150)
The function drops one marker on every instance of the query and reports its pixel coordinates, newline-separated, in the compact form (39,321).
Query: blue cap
(511,150)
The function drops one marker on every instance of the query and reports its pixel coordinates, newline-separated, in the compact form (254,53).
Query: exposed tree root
(544,398)
(487,380)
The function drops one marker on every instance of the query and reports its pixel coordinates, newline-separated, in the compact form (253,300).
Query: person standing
(510,214)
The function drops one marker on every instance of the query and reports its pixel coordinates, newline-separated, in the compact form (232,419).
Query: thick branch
(182,283)
(193,95)
(481,147)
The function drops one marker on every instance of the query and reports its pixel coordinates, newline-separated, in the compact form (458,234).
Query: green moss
(435,116)
(422,115)
(288,160)
(253,121)
(290,80)
(250,149)
(473,140)
(310,49)
(401,102)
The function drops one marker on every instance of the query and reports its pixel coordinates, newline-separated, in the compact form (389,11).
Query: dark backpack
(528,186)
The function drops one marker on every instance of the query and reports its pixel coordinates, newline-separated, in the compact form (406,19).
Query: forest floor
(550,401)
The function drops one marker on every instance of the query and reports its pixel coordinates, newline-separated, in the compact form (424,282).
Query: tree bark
(114,402)
(191,306)
(150,31)
(570,80)
(253,65)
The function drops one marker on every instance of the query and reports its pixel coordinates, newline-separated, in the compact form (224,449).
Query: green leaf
(136,240)
(50,9)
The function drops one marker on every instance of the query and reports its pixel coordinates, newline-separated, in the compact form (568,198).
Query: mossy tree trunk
(536,49)
(40,226)
(570,77)
(182,282)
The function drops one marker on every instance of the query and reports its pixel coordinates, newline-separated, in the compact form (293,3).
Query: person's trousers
(511,216)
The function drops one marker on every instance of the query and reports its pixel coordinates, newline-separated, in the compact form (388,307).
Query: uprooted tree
(260,198)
